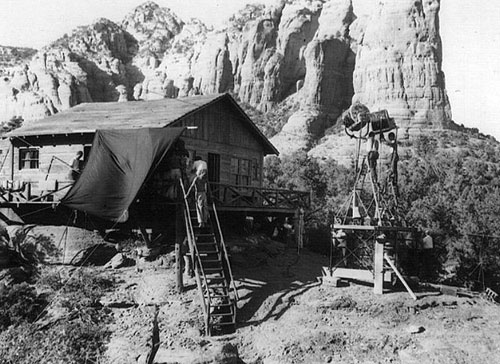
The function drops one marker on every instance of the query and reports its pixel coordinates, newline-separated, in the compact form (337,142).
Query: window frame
(240,174)
(26,157)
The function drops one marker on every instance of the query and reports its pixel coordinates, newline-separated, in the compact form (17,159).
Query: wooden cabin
(35,158)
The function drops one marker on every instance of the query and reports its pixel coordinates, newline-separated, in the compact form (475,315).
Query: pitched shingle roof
(89,117)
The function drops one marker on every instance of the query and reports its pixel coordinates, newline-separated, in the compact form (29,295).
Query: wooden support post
(146,236)
(179,238)
(400,276)
(378,279)
(9,196)
(299,228)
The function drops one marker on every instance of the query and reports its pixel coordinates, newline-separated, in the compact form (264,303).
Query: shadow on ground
(269,290)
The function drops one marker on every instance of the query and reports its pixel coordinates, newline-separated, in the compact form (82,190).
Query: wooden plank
(378,279)
(373,228)
(362,275)
(179,238)
(400,277)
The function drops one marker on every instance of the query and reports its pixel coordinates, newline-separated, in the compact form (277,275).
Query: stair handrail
(194,252)
(223,244)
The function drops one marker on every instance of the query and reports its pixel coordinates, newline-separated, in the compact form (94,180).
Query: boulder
(118,261)
(98,254)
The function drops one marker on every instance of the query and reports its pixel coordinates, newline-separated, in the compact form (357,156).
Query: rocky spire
(398,64)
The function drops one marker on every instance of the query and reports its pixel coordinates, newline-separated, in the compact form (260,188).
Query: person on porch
(76,166)
(200,185)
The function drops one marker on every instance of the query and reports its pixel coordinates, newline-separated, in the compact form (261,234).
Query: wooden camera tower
(367,229)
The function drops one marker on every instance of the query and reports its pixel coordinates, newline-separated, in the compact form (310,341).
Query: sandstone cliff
(14,56)
(398,64)
(313,56)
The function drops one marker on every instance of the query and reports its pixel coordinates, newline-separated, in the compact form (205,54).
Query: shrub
(33,248)
(79,336)
(65,342)
(19,304)
(453,193)
(83,291)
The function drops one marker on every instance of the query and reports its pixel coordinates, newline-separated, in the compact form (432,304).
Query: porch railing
(226,195)
(33,191)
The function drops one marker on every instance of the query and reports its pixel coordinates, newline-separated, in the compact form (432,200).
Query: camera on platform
(358,117)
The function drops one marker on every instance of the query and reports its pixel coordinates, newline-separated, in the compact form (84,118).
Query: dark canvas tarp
(119,163)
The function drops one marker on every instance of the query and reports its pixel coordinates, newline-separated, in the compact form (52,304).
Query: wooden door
(213,165)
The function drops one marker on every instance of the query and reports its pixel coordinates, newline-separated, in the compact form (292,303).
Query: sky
(469,30)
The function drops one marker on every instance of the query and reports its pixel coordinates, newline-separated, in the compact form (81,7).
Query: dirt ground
(286,315)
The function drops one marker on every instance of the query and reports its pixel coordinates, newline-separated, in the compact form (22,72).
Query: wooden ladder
(212,270)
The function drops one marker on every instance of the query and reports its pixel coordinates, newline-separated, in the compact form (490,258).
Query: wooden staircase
(212,270)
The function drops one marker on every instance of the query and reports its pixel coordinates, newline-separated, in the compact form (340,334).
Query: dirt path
(286,316)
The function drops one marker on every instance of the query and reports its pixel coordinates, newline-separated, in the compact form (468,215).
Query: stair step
(216,280)
(226,314)
(207,254)
(223,323)
(210,260)
(221,295)
(230,304)
(221,300)
(218,286)
(206,239)
(222,310)
(213,272)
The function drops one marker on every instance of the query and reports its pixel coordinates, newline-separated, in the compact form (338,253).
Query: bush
(65,342)
(78,336)
(452,193)
(19,304)
(34,248)
(320,239)
(84,290)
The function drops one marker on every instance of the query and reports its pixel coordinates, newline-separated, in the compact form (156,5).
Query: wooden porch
(49,190)
(246,198)
(226,197)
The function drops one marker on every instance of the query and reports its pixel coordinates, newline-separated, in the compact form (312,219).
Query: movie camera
(358,118)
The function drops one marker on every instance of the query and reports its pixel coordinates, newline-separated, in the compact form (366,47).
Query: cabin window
(240,171)
(255,170)
(28,158)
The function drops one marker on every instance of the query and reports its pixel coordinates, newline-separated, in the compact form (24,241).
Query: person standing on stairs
(199,182)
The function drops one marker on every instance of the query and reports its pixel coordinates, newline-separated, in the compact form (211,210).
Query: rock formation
(14,56)
(212,71)
(313,56)
(398,64)
(327,86)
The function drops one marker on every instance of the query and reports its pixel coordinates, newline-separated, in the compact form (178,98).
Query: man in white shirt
(200,167)
(199,182)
